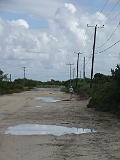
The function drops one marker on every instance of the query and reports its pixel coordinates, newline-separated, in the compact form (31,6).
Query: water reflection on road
(46,99)
(36,129)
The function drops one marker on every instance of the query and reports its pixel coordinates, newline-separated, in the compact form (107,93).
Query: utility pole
(73,74)
(77,68)
(84,70)
(10,77)
(93,52)
(24,71)
(70,70)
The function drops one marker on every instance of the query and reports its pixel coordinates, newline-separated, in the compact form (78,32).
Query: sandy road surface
(21,108)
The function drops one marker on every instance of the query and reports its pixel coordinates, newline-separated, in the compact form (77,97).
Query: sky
(42,38)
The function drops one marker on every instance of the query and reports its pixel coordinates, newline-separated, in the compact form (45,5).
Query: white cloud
(70,7)
(48,51)
(19,22)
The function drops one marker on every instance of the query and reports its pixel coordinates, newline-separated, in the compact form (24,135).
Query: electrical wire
(91,39)
(110,11)
(106,17)
(84,37)
(108,14)
(94,21)
(109,37)
(109,47)
(88,60)
(100,12)
(113,18)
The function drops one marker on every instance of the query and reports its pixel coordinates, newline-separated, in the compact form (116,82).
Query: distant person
(71,92)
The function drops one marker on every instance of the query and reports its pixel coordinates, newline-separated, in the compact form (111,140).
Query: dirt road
(22,108)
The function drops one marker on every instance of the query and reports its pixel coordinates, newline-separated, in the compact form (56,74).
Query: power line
(85,33)
(109,47)
(102,20)
(88,59)
(92,22)
(113,18)
(108,15)
(109,37)
(100,12)
(110,11)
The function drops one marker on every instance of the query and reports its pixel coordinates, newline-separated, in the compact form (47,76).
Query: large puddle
(46,99)
(36,129)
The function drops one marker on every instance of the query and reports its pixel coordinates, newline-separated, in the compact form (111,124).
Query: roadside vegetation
(104,94)
(19,85)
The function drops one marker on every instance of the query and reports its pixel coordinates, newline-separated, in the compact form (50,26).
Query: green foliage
(2,76)
(106,92)
(19,85)
(104,98)
(83,88)
(101,78)
(66,83)
(116,74)
(63,89)
(53,82)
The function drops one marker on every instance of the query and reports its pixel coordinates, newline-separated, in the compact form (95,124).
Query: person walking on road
(71,92)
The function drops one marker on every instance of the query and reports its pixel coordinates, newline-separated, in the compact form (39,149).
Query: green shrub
(19,86)
(106,96)
(83,88)
(63,89)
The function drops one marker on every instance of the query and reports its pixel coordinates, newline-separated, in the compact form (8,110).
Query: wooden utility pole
(77,68)
(24,71)
(93,52)
(84,70)
(73,74)
(70,70)
(10,77)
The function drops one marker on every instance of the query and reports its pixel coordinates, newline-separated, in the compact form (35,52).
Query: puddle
(46,99)
(38,106)
(36,129)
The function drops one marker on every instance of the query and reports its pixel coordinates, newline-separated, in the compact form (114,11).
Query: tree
(116,74)
(106,92)
(2,76)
